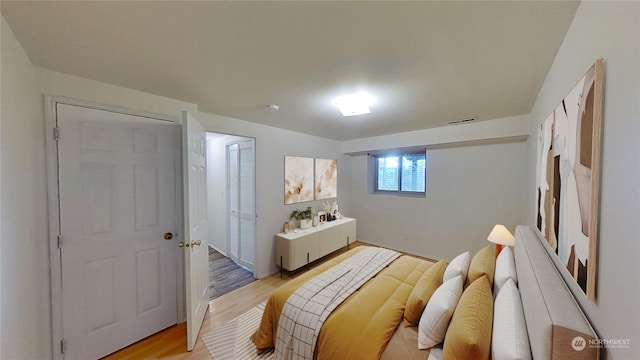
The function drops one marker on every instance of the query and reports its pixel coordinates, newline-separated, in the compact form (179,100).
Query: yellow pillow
(469,332)
(483,263)
(421,293)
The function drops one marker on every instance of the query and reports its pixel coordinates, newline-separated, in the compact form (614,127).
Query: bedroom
(25,278)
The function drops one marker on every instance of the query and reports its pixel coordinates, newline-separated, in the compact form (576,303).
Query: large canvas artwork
(298,179)
(326,185)
(568,178)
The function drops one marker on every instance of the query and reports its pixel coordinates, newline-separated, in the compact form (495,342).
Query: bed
(378,320)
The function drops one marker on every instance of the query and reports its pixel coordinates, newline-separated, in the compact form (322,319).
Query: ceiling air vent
(461,121)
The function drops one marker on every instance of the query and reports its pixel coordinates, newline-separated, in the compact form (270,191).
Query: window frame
(399,192)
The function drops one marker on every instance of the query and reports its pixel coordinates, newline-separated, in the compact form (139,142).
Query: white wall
(24,261)
(272,144)
(469,190)
(609,30)
(55,83)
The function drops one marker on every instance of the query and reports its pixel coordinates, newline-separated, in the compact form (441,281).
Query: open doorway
(231,209)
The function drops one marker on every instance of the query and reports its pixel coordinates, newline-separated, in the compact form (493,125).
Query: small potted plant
(293,219)
(305,217)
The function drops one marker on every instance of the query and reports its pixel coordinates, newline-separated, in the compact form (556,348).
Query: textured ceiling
(427,62)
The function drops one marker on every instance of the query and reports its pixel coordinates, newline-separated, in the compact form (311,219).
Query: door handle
(192,244)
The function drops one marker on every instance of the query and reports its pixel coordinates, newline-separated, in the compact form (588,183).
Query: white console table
(296,249)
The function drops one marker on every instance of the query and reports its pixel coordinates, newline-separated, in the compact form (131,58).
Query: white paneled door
(195,243)
(117,196)
(241,185)
(247,203)
(233,186)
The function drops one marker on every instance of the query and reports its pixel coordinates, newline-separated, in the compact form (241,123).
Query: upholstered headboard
(557,327)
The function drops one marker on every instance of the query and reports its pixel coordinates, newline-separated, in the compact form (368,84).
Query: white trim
(255,210)
(228,199)
(51,122)
(110,108)
(55,265)
(181,305)
(217,250)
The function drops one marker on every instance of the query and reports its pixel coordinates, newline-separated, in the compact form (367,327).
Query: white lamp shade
(500,235)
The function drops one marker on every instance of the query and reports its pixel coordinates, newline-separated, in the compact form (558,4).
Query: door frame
(55,264)
(255,205)
(220,131)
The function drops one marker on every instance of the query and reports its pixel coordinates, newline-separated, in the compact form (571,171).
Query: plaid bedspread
(308,307)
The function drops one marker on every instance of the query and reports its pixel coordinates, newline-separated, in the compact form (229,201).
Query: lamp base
(498,249)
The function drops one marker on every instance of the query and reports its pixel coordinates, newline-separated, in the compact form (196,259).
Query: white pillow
(505,269)
(437,314)
(509,339)
(458,266)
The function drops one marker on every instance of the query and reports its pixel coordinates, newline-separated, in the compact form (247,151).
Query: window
(401,173)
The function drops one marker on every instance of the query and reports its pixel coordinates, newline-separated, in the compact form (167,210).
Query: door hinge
(56,133)
(62,346)
(59,241)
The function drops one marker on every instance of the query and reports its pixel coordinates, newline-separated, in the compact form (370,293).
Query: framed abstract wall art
(298,179)
(326,184)
(568,178)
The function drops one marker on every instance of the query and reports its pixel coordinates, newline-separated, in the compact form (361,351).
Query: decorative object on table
(500,236)
(568,178)
(285,227)
(335,211)
(326,179)
(332,210)
(322,216)
(305,217)
(305,223)
(298,179)
(327,207)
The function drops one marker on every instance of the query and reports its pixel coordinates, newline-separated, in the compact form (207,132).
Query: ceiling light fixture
(272,107)
(354,104)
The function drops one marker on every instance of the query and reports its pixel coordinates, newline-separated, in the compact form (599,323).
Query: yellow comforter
(363,324)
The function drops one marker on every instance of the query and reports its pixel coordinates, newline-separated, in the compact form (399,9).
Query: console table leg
(280,266)
(347,243)
(307,261)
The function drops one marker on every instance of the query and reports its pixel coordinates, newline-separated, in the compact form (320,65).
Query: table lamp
(500,236)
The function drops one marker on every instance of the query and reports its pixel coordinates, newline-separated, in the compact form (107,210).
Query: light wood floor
(171,343)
